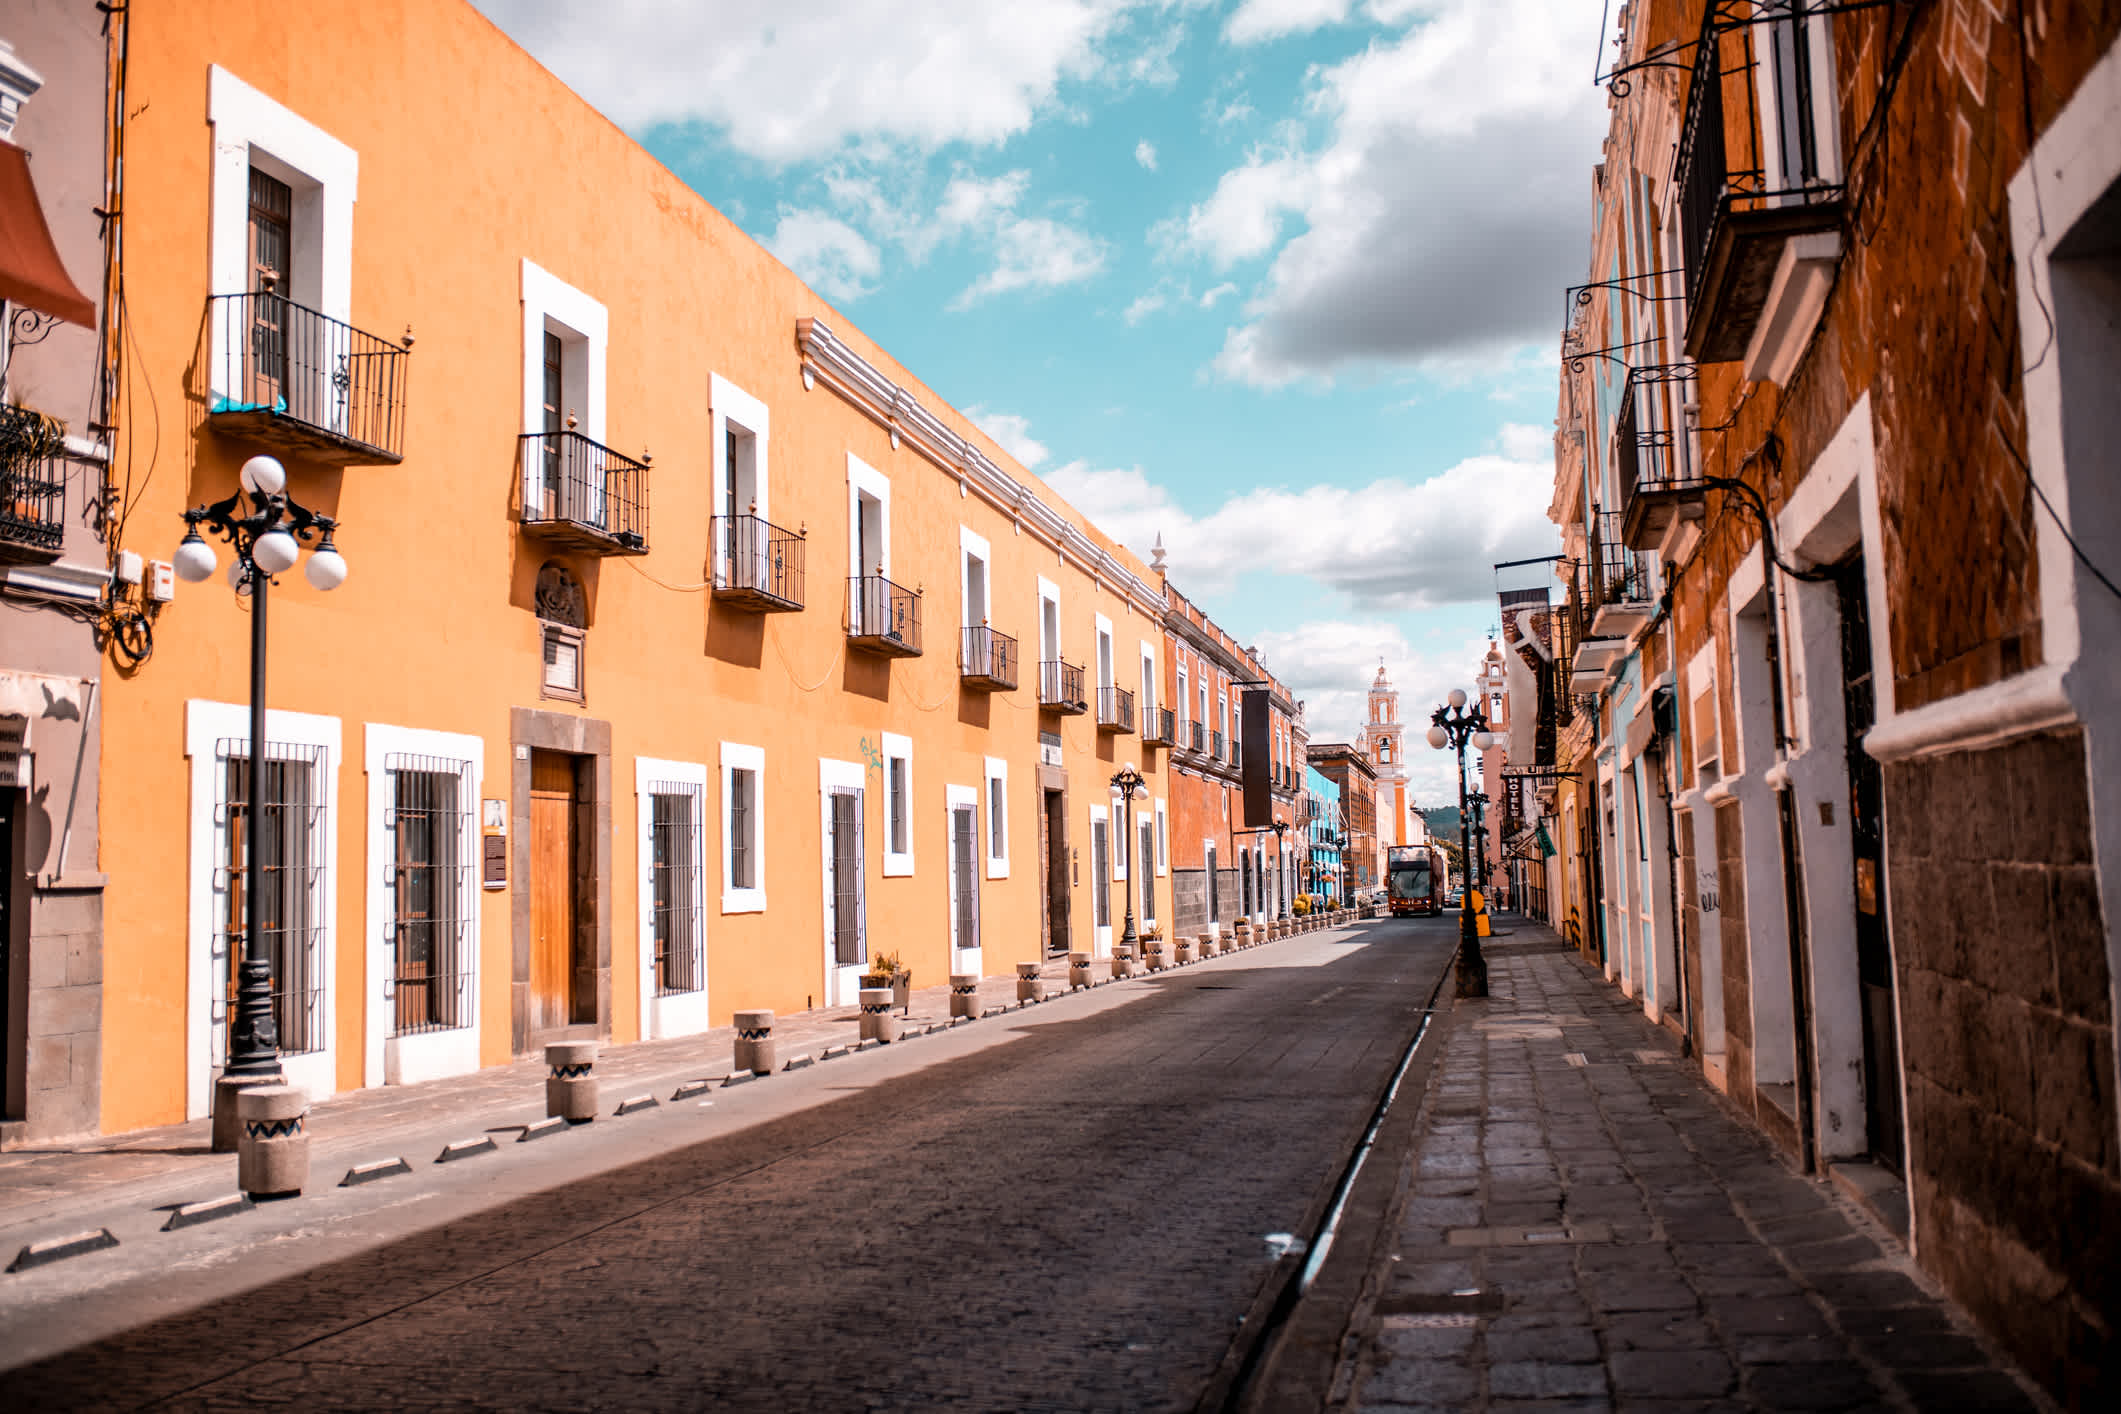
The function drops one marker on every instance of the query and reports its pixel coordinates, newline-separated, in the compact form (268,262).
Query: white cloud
(1144,306)
(787,82)
(1012,431)
(971,202)
(1391,546)
(1440,209)
(1034,252)
(831,256)
(1209,298)
(1255,21)
(1145,153)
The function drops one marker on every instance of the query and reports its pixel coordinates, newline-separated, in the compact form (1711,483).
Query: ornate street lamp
(1454,727)
(1128,787)
(267,527)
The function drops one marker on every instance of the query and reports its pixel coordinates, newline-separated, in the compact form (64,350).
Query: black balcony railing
(989,660)
(1619,576)
(295,379)
(1159,727)
(1115,709)
(1568,632)
(1060,688)
(1196,737)
(757,565)
(32,487)
(883,617)
(1215,745)
(1660,482)
(584,495)
(1732,221)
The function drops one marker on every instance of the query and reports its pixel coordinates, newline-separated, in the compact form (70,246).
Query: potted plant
(883,968)
(897,976)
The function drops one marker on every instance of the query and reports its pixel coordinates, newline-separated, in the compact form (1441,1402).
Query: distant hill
(1442,821)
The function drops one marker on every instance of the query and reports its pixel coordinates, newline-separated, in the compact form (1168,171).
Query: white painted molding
(861,383)
(2031,702)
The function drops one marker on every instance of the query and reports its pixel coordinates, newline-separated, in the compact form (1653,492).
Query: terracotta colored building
(692,651)
(1349,768)
(1834,471)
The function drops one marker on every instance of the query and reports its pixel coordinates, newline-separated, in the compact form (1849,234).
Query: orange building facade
(692,654)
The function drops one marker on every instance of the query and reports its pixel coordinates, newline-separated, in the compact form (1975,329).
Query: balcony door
(964,886)
(557,999)
(271,250)
(846,903)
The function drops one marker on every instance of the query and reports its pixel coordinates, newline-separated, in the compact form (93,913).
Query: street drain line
(1322,1236)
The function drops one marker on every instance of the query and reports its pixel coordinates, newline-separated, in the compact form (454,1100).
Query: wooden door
(552,911)
(271,243)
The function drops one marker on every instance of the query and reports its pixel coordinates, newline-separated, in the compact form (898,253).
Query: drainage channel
(1320,1242)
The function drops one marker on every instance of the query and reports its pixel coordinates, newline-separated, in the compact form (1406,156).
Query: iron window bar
(580,493)
(1724,17)
(291,822)
(294,378)
(1160,727)
(1215,745)
(1060,688)
(758,565)
(1656,446)
(32,486)
(1115,709)
(676,870)
(1196,737)
(883,617)
(1618,575)
(428,932)
(988,659)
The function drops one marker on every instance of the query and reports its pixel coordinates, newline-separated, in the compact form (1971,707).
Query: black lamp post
(1127,787)
(1281,864)
(1454,727)
(267,527)
(1347,877)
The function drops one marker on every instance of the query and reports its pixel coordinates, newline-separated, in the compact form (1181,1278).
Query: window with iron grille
(1145,873)
(675,870)
(429,822)
(850,942)
(289,821)
(997,819)
(1100,873)
(743,785)
(898,805)
(964,837)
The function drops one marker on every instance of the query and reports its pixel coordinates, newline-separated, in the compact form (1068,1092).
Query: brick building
(1834,474)
(1349,768)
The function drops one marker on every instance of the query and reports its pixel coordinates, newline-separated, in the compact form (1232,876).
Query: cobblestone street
(1586,1227)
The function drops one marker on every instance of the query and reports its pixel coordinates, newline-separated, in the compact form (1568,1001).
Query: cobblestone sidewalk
(1586,1227)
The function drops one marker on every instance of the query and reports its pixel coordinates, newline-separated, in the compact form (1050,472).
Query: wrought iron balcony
(1660,485)
(583,495)
(1620,581)
(758,566)
(1196,737)
(1215,747)
(1115,710)
(1733,227)
(1060,688)
(294,379)
(32,487)
(988,660)
(882,617)
(1159,727)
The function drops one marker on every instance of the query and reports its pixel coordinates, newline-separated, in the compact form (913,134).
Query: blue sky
(1279,279)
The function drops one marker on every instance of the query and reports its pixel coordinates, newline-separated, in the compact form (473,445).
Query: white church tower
(1383,741)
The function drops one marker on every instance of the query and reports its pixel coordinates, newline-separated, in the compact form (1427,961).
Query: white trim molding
(727,403)
(424,1055)
(996,774)
(898,863)
(680,1013)
(738,757)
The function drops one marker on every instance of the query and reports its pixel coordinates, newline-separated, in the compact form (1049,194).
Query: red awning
(30,270)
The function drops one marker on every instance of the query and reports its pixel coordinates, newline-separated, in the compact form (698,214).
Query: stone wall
(2014,1163)
(62,1079)
(1737,965)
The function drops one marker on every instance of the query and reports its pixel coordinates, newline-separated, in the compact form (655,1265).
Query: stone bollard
(757,1050)
(1182,950)
(272,1154)
(1122,962)
(571,1080)
(1208,946)
(878,1024)
(1030,987)
(964,994)
(1153,954)
(1078,970)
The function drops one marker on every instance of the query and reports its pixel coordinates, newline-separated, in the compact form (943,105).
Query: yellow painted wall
(473,158)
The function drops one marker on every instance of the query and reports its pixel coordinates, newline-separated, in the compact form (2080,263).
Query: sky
(1278,280)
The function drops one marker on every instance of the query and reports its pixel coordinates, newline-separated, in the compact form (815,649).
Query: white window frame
(1048,593)
(426,1055)
(972,547)
(737,756)
(726,404)
(1107,665)
(842,984)
(962,958)
(206,723)
(1163,839)
(997,772)
(682,1013)
(1183,701)
(253,130)
(550,303)
(1150,695)
(865,480)
(1100,933)
(898,863)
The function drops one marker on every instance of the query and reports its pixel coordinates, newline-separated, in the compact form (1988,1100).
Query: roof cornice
(826,358)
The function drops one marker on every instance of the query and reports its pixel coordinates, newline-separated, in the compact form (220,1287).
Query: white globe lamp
(275,550)
(264,476)
(194,560)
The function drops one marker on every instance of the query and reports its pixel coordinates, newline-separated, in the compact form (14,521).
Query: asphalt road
(1076,1220)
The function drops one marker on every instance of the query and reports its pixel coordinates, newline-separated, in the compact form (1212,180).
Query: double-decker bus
(1414,879)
